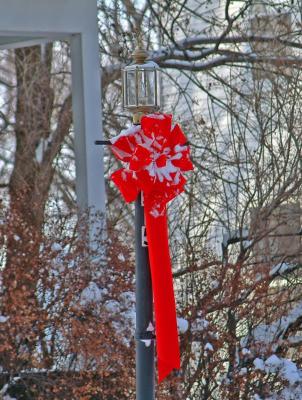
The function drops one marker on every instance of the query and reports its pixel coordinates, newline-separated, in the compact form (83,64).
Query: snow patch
(147,342)
(281,268)
(128,299)
(286,369)
(126,132)
(150,327)
(121,257)
(182,325)
(92,294)
(243,371)
(259,364)
(155,116)
(289,371)
(209,347)
(267,334)
(200,324)
(112,306)
(245,351)
(214,284)
(56,247)
(272,363)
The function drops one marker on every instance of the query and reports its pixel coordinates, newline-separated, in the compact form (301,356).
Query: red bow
(155,158)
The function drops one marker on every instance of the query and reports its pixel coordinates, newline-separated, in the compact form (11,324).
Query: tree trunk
(37,144)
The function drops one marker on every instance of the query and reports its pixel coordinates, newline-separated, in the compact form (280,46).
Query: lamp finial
(139,55)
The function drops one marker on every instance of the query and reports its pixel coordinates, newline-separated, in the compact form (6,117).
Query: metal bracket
(144,237)
(147,335)
(102,142)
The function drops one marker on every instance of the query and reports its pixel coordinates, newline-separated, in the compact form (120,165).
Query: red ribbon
(155,157)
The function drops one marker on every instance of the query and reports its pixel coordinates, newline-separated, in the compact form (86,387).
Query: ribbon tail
(163,294)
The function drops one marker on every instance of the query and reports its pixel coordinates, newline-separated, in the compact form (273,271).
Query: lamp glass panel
(146,87)
(130,89)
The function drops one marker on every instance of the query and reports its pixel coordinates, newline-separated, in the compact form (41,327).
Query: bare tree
(234,72)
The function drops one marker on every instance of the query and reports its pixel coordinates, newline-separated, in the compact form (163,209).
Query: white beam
(14,42)
(73,16)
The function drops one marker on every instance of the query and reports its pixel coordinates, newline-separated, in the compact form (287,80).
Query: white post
(87,121)
(24,23)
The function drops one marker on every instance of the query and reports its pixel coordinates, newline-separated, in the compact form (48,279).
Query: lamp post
(141,95)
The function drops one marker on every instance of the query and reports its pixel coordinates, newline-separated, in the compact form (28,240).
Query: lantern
(141,85)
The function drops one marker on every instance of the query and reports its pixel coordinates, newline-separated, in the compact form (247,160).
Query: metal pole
(144,307)
(144,312)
